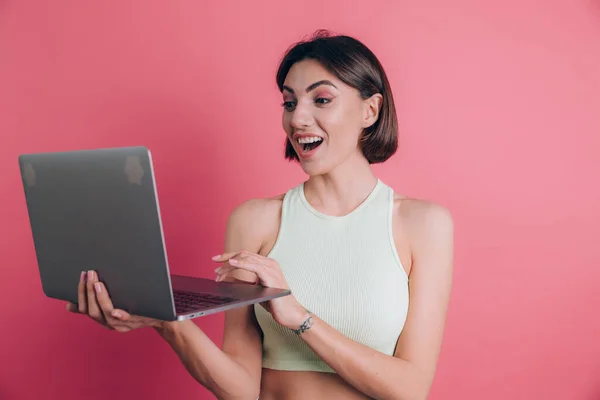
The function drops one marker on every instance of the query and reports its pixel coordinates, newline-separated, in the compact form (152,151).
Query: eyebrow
(312,86)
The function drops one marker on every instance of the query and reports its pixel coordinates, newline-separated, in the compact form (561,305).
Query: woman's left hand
(286,311)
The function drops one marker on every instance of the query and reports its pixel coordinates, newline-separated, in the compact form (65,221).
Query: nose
(301,117)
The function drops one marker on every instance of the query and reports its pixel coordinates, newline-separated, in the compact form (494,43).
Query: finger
(226,256)
(228,273)
(128,322)
(247,265)
(94,310)
(245,255)
(104,301)
(256,259)
(236,254)
(224,269)
(225,278)
(121,315)
(81,296)
(229,266)
(72,307)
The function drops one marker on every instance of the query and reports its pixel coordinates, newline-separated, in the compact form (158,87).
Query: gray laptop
(98,210)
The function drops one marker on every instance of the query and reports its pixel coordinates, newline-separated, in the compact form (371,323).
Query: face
(323,117)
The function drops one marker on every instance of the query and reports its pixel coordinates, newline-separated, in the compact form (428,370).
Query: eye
(288,105)
(322,101)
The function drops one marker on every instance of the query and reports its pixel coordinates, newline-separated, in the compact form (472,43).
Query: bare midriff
(302,385)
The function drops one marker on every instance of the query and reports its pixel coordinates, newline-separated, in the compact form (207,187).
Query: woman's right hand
(94,301)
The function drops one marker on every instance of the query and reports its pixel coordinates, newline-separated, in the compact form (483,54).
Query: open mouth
(308,144)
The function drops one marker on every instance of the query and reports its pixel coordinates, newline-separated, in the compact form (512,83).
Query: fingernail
(97,287)
(233,261)
(90,275)
(218,269)
(82,278)
(216,257)
(116,314)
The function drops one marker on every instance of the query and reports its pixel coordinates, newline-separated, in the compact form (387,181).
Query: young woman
(370,270)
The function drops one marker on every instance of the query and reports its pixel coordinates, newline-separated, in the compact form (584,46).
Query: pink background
(499,106)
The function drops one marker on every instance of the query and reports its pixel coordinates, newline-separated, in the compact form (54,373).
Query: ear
(371,109)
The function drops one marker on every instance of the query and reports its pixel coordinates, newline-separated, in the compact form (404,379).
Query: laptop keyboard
(190,301)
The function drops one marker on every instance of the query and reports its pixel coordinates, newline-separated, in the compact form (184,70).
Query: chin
(314,168)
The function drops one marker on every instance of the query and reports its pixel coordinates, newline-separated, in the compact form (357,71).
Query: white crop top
(345,270)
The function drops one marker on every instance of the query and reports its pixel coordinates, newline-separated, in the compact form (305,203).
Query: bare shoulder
(423,214)
(257,219)
(427,226)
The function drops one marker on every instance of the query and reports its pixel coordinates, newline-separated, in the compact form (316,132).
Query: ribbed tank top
(344,269)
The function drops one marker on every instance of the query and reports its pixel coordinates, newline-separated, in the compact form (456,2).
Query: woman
(354,253)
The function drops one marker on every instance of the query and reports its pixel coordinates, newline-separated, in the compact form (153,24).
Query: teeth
(309,140)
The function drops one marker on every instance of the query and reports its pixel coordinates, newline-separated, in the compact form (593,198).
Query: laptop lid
(98,210)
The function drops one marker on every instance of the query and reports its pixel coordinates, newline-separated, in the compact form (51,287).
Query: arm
(409,373)
(221,373)
(233,372)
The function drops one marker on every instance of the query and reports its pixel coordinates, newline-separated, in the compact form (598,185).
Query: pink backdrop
(499,108)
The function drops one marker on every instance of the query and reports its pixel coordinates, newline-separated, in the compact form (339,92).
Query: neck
(341,190)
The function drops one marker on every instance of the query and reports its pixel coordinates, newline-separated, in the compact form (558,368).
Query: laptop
(98,209)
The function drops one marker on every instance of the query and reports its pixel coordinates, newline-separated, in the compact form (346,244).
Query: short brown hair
(355,65)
